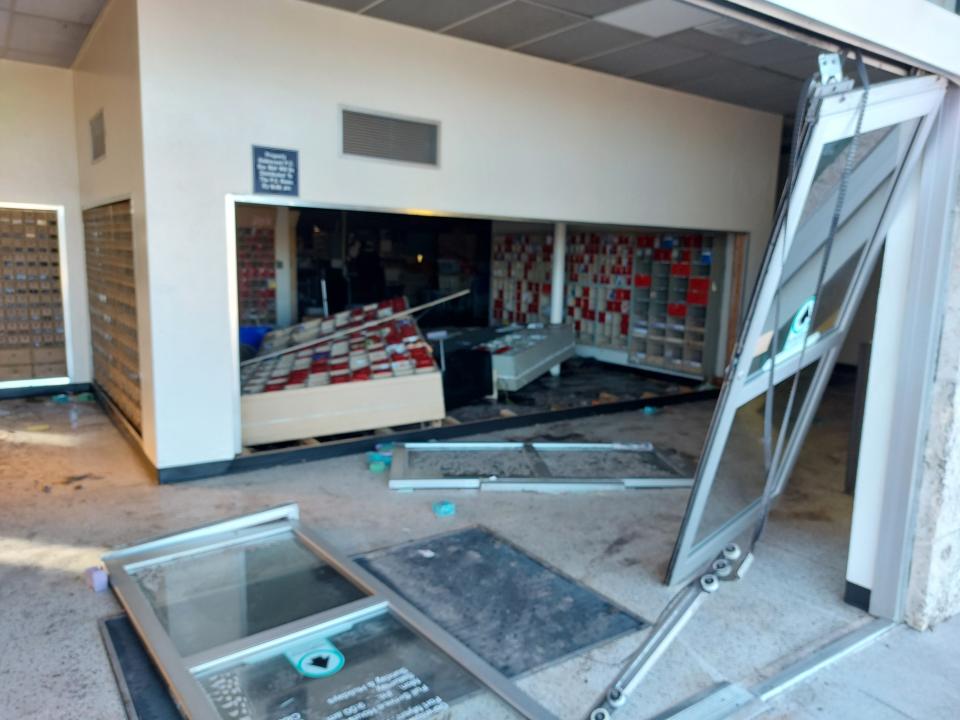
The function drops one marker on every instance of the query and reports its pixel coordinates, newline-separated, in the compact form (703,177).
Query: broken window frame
(889,105)
(404,477)
(181,672)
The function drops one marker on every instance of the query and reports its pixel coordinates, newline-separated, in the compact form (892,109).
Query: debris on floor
(37,427)
(444,508)
(97,579)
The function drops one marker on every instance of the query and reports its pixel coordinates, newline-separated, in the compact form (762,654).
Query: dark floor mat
(143,691)
(510,609)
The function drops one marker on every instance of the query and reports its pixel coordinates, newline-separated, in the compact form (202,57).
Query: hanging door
(789,330)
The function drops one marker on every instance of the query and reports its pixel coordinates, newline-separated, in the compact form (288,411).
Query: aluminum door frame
(179,671)
(888,105)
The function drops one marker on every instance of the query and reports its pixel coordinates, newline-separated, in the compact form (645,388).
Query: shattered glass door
(256,619)
(789,330)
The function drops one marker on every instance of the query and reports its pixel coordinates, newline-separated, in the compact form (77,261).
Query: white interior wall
(520,137)
(38,158)
(106,76)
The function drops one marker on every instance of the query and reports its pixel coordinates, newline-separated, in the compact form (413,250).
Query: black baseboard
(339,448)
(43,390)
(857,596)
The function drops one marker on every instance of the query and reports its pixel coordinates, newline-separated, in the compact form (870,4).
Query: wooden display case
(311,383)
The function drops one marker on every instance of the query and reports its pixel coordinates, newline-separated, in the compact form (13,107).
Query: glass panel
(213,597)
(740,476)
(878,155)
(372,668)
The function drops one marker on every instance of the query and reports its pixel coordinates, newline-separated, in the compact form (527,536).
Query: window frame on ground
(181,672)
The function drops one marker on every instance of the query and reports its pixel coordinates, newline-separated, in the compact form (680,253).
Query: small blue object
(386,447)
(650,410)
(253,335)
(444,508)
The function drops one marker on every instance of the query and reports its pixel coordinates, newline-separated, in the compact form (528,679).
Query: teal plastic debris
(444,508)
(374,456)
(650,410)
(61,399)
(377,466)
(386,448)
(84,397)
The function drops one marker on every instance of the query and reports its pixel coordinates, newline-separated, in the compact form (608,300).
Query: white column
(286,292)
(557,276)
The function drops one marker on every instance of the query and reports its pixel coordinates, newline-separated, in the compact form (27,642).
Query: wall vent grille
(98,136)
(390,138)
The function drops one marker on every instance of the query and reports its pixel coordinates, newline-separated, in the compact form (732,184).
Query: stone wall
(934,592)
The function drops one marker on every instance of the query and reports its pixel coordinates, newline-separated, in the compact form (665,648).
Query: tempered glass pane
(213,597)
(372,668)
(741,476)
(878,155)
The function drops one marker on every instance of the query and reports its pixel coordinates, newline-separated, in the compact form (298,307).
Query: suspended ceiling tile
(769,51)
(351,5)
(701,67)
(46,36)
(513,24)
(64,59)
(658,17)
(736,31)
(742,79)
(429,14)
(589,8)
(78,11)
(582,41)
(800,68)
(643,58)
(697,40)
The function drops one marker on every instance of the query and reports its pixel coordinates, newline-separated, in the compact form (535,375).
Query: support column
(557,276)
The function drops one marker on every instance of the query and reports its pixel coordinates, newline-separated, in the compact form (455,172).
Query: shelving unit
(111,289)
(31,308)
(256,271)
(643,299)
(520,279)
(673,277)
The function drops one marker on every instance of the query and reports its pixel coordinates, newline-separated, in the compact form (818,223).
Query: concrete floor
(77,488)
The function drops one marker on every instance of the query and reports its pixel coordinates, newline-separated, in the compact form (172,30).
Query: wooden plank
(335,409)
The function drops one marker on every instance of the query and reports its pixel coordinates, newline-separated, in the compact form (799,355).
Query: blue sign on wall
(275,171)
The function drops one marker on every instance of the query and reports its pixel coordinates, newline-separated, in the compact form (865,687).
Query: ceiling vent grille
(390,138)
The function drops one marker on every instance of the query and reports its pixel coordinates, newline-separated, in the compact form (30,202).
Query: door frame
(889,104)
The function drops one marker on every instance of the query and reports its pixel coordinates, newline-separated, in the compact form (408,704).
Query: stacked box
(672,288)
(256,275)
(394,348)
(520,279)
(31,308)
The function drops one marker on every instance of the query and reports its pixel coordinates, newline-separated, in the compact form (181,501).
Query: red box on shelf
(699,284)
(695,297)
(642,281)
(680,269)
(676,309)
